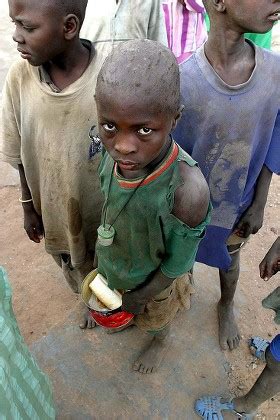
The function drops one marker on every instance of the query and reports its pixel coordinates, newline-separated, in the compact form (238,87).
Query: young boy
(231,127)
(185,26)
(267,384)
(48,114)
(157,200)
(110,22)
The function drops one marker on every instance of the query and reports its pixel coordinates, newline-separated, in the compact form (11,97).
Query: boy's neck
(232,58)
(152,165)
(69,66)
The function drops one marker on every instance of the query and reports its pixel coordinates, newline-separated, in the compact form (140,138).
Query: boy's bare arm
(135,301)
(33,224)
(192,197)
(252,219)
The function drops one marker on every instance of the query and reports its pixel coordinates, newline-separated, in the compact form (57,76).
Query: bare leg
(228,333)
(266,386)
(152,356)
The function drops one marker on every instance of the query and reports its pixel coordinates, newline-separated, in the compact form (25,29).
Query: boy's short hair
(75,7)
(145,70)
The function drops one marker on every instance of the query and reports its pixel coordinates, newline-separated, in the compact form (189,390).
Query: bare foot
(228,335)
(152,356)
(87,321)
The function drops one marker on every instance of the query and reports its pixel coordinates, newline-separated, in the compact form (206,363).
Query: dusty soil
(42,299)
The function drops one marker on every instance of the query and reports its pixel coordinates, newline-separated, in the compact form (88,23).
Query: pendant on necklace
(106,234)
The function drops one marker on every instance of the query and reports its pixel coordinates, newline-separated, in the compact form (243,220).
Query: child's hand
(132,303)
(250,222)
(33,224)
(271,262)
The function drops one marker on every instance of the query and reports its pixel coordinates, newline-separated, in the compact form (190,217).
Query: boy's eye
(110,128)
(28,29)
(144,131)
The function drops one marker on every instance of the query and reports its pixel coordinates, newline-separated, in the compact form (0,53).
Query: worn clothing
(25,392)
(148,236)
(185,27)
(109,23)
(48,133)
(162,309)
(232,131)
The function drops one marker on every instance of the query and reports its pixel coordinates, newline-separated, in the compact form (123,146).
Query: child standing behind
(185,26)
(109,22)
(231,126)
(48,114)
(157,200)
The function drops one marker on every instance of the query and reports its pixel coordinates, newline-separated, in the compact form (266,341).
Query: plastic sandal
(210,408)
(259,345)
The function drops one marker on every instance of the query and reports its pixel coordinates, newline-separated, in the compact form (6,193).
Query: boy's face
(132,133)
(38,32)
(253,15)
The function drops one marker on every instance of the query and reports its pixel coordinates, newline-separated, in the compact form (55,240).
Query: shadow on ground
(92,376)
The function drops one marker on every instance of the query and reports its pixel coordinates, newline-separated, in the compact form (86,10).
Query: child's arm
(190,207)
(33,224)
(252,219)
(135,301)
(271,262)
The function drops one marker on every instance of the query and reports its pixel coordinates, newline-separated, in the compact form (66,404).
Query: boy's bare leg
(266,386)
(228,330)
(152,356)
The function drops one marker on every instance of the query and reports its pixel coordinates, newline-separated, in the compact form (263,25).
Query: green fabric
(148,236)
(25,392)
(262,40)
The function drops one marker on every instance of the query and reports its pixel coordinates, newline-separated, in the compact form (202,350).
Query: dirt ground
(42,299)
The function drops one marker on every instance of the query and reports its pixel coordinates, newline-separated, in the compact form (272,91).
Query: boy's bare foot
(228,331)
(87,321)
(152,356)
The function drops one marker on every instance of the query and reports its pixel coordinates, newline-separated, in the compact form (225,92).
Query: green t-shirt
(148,236)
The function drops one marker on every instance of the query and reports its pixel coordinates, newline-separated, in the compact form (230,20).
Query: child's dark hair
(142,69)
(75,7)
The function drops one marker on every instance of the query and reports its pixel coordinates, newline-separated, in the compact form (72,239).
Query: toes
(224,344)
(88,322)
(83,324)
(136,366)
(230,344)
(91,324)
(139,367)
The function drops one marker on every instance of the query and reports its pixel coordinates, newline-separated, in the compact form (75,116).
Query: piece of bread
(112,299)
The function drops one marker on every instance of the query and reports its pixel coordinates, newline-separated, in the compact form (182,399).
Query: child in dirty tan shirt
(47,121)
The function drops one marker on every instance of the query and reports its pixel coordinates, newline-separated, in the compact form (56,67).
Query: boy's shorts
(160,311)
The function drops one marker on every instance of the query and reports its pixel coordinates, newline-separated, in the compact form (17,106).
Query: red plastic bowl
(104,317)
(115,320)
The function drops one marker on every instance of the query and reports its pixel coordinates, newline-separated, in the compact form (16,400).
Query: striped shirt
(25,392)
(185,26)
